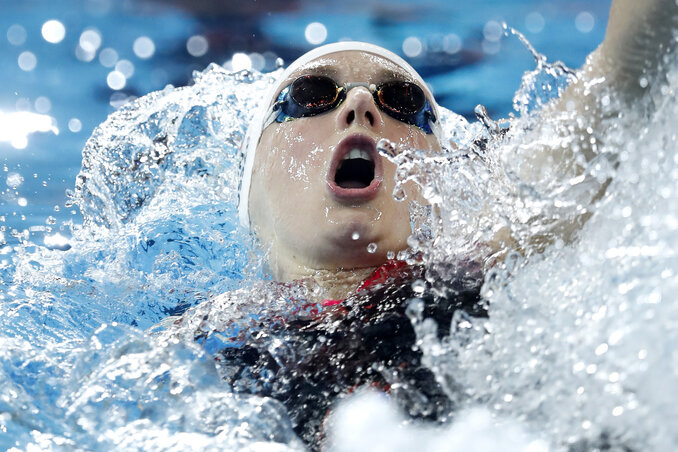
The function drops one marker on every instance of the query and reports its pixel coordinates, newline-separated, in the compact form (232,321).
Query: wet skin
(310,226)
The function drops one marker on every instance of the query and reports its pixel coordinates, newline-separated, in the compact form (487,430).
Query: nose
(359,109)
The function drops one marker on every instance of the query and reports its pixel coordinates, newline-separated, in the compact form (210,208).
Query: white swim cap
(251,141)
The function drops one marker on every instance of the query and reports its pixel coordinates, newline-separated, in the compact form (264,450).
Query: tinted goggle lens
(401,97)
(314,92)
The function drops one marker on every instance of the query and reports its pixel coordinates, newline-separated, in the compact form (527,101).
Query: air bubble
(372,248)
(355,236)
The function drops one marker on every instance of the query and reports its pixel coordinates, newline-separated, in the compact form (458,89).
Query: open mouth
(355,172)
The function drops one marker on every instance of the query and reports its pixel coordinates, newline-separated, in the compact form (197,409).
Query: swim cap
(251,141)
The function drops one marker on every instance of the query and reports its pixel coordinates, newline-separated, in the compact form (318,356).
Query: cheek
(293,158)
(411,137)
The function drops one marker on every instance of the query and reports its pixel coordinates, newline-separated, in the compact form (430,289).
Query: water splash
(577,352)
(157,191)
(544,83)
(579,339)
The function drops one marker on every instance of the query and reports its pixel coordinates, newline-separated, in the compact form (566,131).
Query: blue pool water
(582,336)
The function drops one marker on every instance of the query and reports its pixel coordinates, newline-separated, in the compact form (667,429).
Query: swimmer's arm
(614,81)
(613,84)
(638,40)
(633,58)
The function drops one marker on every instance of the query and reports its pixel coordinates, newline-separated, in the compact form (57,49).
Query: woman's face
(313,207)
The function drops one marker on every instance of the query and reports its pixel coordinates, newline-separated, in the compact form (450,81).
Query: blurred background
(67,64)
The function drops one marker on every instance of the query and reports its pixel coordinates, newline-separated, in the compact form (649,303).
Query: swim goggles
(311,95)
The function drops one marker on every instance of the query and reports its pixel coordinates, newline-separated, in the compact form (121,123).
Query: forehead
(353,66)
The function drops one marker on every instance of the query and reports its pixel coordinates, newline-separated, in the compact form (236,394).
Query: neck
(332,284)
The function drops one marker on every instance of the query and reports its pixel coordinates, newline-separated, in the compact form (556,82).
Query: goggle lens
(402,97)
(314,92)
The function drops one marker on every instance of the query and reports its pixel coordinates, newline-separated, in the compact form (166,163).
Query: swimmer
(317,196)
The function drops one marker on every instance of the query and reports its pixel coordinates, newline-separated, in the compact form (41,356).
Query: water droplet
(240,61)
(16,35)
(74,125)
(53,31)
(399,193)
(108,57)
(372,248)
(386,148)
(355,236)
(14,180)
(116,80)
(316,33)
(27,61)
(415,310)
(197,45)
(419,286)
(484,117)
(144,47)
(585,21)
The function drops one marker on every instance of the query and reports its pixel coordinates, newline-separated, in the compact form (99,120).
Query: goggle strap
(272,117)
(276,108)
